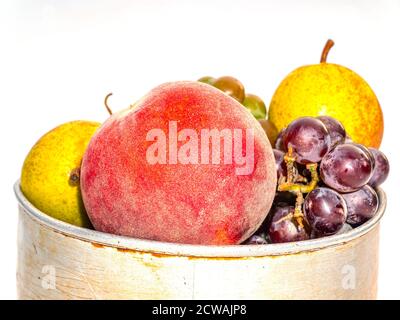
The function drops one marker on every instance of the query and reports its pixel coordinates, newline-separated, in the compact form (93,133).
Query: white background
(58,59)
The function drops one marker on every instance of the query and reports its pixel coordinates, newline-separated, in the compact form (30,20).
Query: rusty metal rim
(228,251)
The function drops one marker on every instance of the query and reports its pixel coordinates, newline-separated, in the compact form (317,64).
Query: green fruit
(231,86)
(50,174)
(255,105)
(207,79)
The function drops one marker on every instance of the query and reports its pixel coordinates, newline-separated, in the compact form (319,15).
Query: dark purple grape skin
(325,210)
(381,169)
(361,205)
(335,129)
(346,228)
(280,163)
(284,228)
(346,168)
(309,139)
(256,239)
(279,141)
(367,151)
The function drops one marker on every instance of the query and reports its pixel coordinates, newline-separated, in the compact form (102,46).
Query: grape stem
(290,167)
(300,178)
(299,187)
(298,214)
(298,210)
(293,183)
(329,44)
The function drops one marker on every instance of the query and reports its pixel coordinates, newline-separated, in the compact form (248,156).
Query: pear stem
(329,44)
(105,103)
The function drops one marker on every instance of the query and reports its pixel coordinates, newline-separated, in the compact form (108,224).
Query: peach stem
(105,103)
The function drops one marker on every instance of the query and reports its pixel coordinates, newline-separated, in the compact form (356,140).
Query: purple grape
(325,210)
(280,163)
(346,168)
(367,151)
(309,139)
(381,169)
(315,235)
(335,129)
(284,228)
(256,239)
(348,139)
(279,141)
(346,228)
(361,205)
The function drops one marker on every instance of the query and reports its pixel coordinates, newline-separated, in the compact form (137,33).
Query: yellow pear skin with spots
(333,90)
(50,173)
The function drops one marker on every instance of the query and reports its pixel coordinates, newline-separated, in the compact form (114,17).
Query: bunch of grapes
(326,182)
(234,88)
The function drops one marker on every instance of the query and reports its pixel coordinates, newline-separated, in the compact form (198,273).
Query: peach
(186,164)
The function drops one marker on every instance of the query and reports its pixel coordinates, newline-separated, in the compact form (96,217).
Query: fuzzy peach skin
(199,203)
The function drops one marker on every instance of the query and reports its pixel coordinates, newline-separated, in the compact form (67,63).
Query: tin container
(57,260)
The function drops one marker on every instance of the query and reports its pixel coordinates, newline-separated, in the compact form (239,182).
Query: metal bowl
(57,260)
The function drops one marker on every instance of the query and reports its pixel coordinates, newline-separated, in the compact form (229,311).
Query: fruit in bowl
(333,90)
(192,162)
(50,173)
(187,164)
(324,182)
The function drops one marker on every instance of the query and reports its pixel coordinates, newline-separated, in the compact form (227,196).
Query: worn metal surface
(60,261)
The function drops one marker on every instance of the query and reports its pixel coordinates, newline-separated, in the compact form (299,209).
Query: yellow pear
(329,89)
(50,173)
